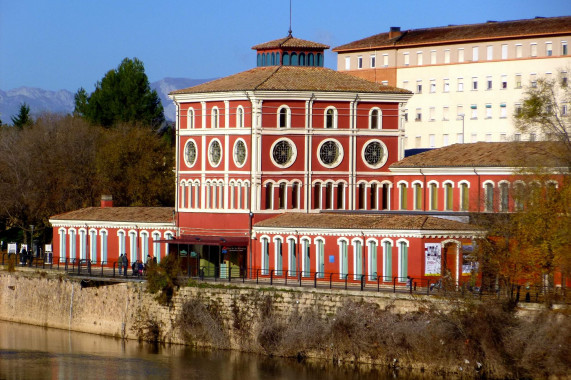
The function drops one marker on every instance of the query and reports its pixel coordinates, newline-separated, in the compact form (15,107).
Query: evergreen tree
(23,118)
(124,95)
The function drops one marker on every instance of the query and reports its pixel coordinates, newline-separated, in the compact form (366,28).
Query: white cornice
(109,224)
(359,232)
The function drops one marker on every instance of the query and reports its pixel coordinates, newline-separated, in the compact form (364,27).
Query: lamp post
(32,238)
(463,135)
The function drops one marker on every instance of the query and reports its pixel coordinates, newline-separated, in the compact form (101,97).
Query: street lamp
(32,238)
(462,116)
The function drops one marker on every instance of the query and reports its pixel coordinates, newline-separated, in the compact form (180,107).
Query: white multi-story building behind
(467,80)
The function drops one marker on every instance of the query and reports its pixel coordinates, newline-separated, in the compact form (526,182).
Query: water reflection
(31,352)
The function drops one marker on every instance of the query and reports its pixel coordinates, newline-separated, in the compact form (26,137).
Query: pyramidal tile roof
(364,221)
(489,154)
(444,34)
(291,78)
(290,42)
(120,214)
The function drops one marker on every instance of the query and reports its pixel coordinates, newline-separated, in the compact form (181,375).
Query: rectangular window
(445,141)
(359,62)
(503,137)
(475,53)
(474,83)
(488,137)
(488,111)
(373,61)
(447,56)
(347,63)
(518,109)
(446,85)
(503,111)
(489,52)
(433,86)
(433,57)
(445,113)
(504,82)
(518,51)
(563,47)
(533,80)
(417,141)
(504,51)
(460,84)
(418,115)
(385,83)
(405,84)
(474,109)
(460,55)
(460,111)
(419,58)
(406,59)
(419,87)
(548,49)
(431,141)
(564,109)
(474,137)
(385,60)
(517,137)
(431,112)
(460,138)
(488,83)
(518,81)
(533,50)
(532,137)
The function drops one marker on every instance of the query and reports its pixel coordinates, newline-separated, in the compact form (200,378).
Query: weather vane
(289,32)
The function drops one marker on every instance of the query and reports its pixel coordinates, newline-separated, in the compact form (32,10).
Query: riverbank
(430,334)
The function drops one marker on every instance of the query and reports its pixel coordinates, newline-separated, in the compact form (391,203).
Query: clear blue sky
(66,44)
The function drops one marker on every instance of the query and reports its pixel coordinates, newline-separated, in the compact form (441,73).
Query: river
(32,352)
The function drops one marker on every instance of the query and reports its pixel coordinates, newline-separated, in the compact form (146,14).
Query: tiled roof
(368,222)
(291,78)
(290,42)
(120,214)
(446,34)
(486,154)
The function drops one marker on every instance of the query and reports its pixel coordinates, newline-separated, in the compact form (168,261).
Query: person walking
(120,263)
(125,264)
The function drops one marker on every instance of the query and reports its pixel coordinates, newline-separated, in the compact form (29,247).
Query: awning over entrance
(236,241)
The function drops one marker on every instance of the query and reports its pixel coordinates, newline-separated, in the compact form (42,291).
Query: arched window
(144,246)
(168,236)
(133,245)
(265,242)
(103,246)
(504,196)
(121,242)
(278,259)
(319,60)
(329,195)
(403,260)
(433,194)
(284,117)
(215,118)
(278,59)
(286,59)
(372,260)
(387,260)
(340,196)
(295,195)
(240,117)
(448,196)
(417,196)
(362,196)
(190,118)
(489,197)
(403,196)
(82,244)
(294,59)
(375,118)
(62,244)
(518,195)
(282,196)
(310,59)
(269,196)
(317,195)
(259,60)
(343,259)
(157,245)
(292,257)
(464,196)
(301,59)
(374,192)
(93,246)
(385,196)
(273,59)
(72,244)
(331,118)
(305,257)
(357,259)
(320,257)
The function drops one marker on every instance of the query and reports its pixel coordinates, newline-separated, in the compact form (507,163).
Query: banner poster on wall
(12,248)
(469,262)
(433,259)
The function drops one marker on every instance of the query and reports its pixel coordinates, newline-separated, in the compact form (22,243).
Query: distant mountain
(62,101)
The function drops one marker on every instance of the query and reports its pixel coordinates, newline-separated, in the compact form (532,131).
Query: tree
(124,95)
(23,118)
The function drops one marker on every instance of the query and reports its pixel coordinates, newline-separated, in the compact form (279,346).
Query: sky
(68,44)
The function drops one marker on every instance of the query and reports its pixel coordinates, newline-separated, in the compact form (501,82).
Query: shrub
(163,278)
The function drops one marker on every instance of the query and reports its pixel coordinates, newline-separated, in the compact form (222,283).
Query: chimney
(394,32)
(106,201)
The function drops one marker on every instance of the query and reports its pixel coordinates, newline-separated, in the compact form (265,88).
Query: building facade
(467,80)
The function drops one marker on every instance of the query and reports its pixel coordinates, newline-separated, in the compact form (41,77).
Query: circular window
(283,153)
(240,152)
(190,153)
(375,154)
(330,153)
(214,153)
